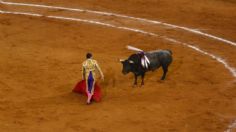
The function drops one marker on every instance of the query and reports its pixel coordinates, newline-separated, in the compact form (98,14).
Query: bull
(156,59)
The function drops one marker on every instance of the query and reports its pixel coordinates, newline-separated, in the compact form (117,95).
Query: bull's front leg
(135,79)
(143,75)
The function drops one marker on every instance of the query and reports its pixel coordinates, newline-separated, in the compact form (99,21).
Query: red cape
(81,88)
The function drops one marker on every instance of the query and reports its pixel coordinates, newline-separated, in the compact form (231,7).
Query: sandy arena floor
(41,57)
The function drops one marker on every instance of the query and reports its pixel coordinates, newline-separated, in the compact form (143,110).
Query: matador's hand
(102,77)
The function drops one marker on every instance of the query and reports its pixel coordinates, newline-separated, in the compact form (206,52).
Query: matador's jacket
(89,74)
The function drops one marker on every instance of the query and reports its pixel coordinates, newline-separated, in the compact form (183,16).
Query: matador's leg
(90,86)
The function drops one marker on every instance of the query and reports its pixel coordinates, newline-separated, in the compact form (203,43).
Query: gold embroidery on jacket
(89,65)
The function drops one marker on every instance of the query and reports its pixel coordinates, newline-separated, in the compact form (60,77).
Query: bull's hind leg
(165,70)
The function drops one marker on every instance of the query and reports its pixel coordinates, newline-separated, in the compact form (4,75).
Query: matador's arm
(100,71)
(83,73)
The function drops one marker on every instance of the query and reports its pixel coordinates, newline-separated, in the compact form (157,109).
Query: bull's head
(127,65)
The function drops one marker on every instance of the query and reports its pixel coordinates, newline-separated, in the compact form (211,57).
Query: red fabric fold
(81,88)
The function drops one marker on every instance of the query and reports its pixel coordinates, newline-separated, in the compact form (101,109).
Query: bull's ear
(131,62)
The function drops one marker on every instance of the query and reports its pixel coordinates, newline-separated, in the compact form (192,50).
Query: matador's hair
(89,55)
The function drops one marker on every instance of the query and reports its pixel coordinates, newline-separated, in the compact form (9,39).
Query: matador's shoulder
(84,63)
(94,61)
(89,61)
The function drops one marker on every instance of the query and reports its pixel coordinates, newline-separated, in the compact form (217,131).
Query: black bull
(158,58)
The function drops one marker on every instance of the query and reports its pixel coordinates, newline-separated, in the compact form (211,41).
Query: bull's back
(158,58)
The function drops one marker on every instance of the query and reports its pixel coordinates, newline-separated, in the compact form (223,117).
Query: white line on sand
(231,69)
(21,13)
(125,16)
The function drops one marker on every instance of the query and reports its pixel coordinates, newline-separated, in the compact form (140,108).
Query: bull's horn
(122,60)
(130,61)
